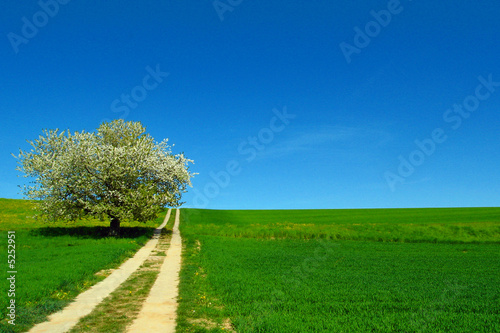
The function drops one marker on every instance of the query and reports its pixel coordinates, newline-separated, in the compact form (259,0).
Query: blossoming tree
(117,172)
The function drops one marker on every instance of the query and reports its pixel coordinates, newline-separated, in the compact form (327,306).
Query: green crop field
(383,270)
(57,261)
(400,225)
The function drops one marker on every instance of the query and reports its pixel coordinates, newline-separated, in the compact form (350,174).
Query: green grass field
(401,270)
(391,225)
(57,261)
(383,270)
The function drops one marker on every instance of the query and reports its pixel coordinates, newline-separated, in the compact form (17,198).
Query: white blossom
(117,172)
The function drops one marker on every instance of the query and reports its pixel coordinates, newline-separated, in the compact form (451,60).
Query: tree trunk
(114,227)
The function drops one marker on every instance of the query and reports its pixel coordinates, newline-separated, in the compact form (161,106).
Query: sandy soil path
(84,303)
(158,313)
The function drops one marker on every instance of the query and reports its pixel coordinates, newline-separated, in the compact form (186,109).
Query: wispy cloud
(418,181)
(327,137)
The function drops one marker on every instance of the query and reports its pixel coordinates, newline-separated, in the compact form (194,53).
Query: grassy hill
(57,261)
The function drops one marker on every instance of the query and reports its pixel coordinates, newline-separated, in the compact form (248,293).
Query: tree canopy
(118,172)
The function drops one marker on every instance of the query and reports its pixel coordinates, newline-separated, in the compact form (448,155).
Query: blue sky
(281,104)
